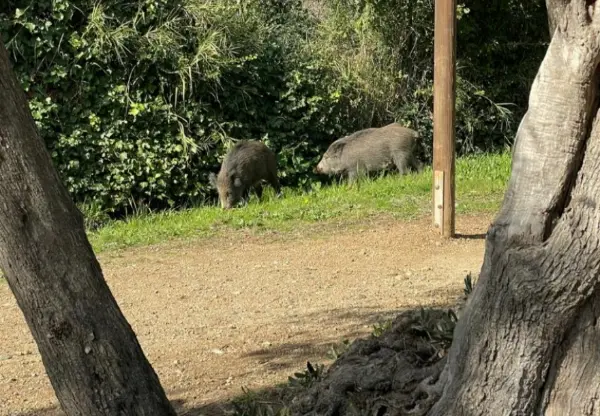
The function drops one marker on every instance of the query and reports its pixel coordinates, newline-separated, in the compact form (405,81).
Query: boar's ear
(237,182)
(336,147)
(212,180)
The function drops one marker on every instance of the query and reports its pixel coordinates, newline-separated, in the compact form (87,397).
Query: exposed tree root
(399,373)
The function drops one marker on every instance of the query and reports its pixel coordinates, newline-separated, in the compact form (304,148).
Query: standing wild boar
(245,166)
(370,150)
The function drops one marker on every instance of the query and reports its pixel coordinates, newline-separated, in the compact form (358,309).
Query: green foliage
(438,331)
(480,184)
(308,377)
(380,328)
(94,215)
(388,46)
(253,404)
(275,402)
(138,100)
(336,351)
(468,284)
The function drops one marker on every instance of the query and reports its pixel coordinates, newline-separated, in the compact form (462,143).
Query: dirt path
(219,314)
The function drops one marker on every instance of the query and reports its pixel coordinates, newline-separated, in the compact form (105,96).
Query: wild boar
(371,150)
(245,166)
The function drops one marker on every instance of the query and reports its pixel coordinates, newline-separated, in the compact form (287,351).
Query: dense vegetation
(138,100)
(480,185)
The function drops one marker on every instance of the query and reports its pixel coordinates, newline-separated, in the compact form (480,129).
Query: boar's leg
(352,176)
(274,181)
(258,189)
(401,161)
(417,165)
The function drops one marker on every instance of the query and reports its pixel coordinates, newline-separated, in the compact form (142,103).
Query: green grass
(480,185)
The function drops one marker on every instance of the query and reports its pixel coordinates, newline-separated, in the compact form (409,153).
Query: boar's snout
(318,168)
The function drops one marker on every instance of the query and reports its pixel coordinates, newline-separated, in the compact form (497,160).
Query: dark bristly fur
(245,166)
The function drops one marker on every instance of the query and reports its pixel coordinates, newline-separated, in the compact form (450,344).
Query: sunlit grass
(480,185)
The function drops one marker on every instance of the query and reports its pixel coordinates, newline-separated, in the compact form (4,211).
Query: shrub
(139,100)
(388,46)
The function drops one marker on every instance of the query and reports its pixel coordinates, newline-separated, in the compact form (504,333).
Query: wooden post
(444,75)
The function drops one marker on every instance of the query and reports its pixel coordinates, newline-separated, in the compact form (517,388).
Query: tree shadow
(218,408)
(353,322)
(470,236)
(285,356)
(366,315)
(46,411)
(209,409)
(276,395)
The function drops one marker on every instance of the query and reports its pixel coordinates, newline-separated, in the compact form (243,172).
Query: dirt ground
(217,314)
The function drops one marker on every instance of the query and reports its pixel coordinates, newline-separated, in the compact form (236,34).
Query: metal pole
(444,76)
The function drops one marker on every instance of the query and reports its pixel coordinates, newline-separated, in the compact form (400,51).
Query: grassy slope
(480,184)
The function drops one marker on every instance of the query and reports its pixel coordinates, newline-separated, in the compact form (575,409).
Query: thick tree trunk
(528,341)
(556,9)
(90,352)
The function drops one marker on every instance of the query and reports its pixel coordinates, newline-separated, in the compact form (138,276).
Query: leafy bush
(388,45)
(139,100)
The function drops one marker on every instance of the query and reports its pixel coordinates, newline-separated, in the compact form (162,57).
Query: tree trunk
(90,352)
(556,9)
(528,341)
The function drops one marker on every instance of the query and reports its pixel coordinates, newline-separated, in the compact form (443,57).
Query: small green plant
(381,327)
(435,328)
(468,285)
(253,404)
(260,404)
(308,377)
(336,351)
(94,216)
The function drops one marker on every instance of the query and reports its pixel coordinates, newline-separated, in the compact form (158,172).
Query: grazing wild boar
(371,150)
(245,166)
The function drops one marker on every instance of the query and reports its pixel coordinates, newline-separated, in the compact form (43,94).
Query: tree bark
(527,343)
(90,352)
(556,9)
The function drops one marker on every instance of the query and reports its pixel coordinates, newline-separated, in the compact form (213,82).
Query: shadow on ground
(470,236)
(282,356)
(286,356)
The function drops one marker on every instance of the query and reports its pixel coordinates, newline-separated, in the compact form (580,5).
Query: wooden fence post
(444,90)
